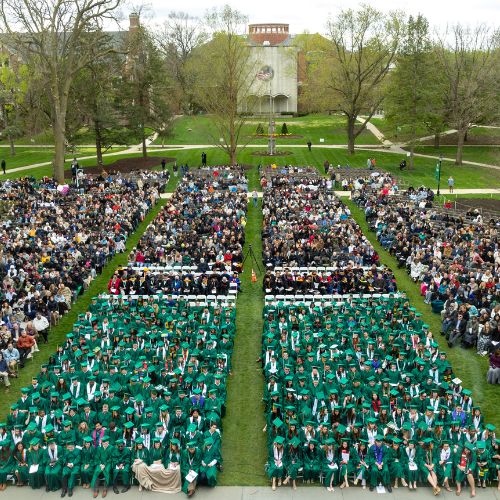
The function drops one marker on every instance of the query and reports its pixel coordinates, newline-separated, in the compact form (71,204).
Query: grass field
(201,130)
(480,154)
(467,365)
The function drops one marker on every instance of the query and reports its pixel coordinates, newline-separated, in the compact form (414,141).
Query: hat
(279,440)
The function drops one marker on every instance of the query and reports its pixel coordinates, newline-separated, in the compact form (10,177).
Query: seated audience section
(453,253)
(357,390)
(55,240)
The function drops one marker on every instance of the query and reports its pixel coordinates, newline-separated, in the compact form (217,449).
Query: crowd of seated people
(456,258)
(142,281)
(304,226)
(202,224)
(55,239)
(347,278)
(137,390)
(358,392)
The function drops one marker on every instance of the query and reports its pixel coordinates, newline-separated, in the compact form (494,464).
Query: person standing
(309,145)
(255,197)
(4,166)
(175,168)
(163,165)
(327,166)
(204,159)
(451,183)
(369,163)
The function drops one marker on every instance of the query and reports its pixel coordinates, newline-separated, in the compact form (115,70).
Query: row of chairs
(318,298)
(230,298)
(315,269)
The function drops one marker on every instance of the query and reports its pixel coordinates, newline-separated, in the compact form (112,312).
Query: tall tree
(363,47)
(414,94)
(226,73)
(144,98)
(177,38)
(96,94)
(467,57)
(59,38)
(13,89)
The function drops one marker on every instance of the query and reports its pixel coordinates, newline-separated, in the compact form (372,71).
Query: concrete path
(256,493)
(376,132)
(133,149)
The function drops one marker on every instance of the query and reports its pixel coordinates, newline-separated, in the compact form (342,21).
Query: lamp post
(438,172)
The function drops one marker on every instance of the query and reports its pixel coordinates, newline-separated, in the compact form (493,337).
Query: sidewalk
(258,493)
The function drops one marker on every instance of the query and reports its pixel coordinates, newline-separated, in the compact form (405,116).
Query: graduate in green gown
(209,462)
(377,459)
(428,462)
(87,462)
(348,460)
(397,459)
(36,464)
(445,465)
(190,463)
(71,468)
(293,461)
(312,461)
(6,462)
(53,465)
(465,466)
(483,461)
(103,462)
(20,467)
(276,461)
(122,459)
(329,465)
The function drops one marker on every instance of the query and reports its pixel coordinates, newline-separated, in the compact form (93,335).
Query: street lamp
(438,172)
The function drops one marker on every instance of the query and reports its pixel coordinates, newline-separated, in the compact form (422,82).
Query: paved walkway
(256,493)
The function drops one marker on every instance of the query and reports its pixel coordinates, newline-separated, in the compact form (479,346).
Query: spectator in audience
(25,344)
(4,371)
(11,356)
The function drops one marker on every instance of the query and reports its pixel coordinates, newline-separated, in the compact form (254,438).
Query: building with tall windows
(277,77)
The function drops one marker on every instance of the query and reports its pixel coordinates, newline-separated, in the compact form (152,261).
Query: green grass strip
(467,365)
(243,442)
(58,333)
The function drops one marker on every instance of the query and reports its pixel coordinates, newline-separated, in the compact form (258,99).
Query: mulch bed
(276,153)
(290,136)
(125,165)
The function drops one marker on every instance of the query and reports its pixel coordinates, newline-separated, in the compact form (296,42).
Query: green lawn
(243,442)
(480,154)
(467,365)
(395,133)
(201,130)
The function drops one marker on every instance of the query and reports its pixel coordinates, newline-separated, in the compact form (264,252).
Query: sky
(311,15)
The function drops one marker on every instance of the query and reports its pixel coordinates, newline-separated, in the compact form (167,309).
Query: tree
(177,38)
(95,94)
(363,45)
(13,89)
(467,59)
(59,38)
(144,99)
(226,74)
(414,94)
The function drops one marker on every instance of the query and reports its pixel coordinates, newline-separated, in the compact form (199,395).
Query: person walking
(309,145)
(4,166)
(451,183)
